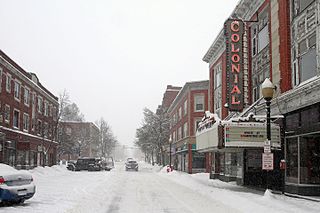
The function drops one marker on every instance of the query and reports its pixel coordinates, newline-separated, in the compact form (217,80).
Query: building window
(185,130)
(50,110)
(217,88)
(46,108)
(199,103)
(263,38)
(185,107)
(179,133)
(196,124)
(26,96)
(17,88)
(300,5)
(16,118)
(54,111)
(8,83)
(25,122)
(254,41)
(45,129)
(39,128)
(292,160)
(68,131)
(304,64)
(7,113)
(180,113)
(309,159)
(39,104)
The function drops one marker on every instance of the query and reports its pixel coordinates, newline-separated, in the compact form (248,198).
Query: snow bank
(238,197)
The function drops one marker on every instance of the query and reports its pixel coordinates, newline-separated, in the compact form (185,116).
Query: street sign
(266,149)
(267,161)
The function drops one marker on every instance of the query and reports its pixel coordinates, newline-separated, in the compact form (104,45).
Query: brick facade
(183,123)
(28,118)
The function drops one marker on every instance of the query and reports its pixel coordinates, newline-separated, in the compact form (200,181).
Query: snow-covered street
(149,190)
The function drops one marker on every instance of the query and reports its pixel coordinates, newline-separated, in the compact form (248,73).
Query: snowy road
(148,190)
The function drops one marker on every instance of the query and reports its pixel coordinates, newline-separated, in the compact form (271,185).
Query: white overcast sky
(114,57)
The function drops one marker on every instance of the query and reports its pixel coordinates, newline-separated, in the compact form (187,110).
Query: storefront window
(254,160)
(292,160)
(310,159)
(231,164)
(239,164)
(198,160)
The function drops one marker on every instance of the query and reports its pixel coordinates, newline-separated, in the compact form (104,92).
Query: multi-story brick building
(78,139)
(186,111)
(280,41)
(28,121)
(168,97)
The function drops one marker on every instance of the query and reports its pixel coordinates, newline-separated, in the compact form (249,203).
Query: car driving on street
(15,186)
(131,165)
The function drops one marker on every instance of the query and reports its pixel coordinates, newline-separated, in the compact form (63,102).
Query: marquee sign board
(233,31)
(250,135)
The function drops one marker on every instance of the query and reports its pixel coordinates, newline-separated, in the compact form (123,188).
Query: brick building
(185,113)
(168,97)
(28,120)
(78,139)
(280,41)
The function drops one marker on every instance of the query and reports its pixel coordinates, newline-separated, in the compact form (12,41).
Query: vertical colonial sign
(234,30)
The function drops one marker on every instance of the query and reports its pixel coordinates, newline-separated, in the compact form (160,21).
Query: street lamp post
(170,147)
(267,93)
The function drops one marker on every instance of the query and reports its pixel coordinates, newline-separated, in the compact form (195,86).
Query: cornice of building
(189,86)
(23,75)
(245,9)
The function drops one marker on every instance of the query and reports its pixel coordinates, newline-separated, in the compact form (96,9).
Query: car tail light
(1,180)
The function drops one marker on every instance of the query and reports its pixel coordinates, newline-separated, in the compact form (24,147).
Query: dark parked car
(71,165)
(131,165)
(84,162)
(98,165)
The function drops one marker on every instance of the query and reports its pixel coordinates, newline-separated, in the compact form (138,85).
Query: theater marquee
(234,30)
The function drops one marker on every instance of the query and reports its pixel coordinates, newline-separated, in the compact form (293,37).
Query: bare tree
(107,140)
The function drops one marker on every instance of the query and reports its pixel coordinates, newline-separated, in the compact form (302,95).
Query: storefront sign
(250,135)
(233,30)
(267,161)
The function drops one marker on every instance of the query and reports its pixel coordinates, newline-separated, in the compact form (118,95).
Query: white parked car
(16,186)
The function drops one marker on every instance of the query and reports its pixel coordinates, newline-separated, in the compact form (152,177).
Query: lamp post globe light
(267,93)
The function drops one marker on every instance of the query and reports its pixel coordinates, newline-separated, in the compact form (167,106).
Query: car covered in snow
(109,163)
(16,186)
(131,165)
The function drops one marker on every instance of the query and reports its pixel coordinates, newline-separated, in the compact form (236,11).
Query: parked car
(71,165)
(16,186)
(98,165)
(83,163)
(131,165)
(109,163)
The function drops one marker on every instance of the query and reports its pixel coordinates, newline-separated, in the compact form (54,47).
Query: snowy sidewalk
(238,197)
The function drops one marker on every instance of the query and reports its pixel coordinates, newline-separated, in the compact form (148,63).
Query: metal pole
(268,102)
(170,157)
